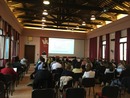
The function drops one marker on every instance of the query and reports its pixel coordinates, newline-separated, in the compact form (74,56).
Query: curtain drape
(107,50)
(128,46)
(117,46)
(93,49)
(100,48)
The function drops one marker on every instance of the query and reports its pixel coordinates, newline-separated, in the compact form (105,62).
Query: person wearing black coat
(43,79)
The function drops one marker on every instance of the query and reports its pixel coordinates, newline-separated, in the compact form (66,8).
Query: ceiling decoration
(68,14)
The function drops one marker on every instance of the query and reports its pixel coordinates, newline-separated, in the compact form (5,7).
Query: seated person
(89,74)
(77,68)
(55,65)
(66,77)
(39,65)
(43,79)
(125,73)
(8,70)
(67,71)
(18,65)
(106,78)
(78,72)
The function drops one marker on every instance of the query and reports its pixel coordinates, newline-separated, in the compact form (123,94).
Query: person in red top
(8,70)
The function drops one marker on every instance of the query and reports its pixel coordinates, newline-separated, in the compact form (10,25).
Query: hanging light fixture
(43,24)
(43,19)
(83,24)
(77,27)
(46,2)
(45,12)
(93,17)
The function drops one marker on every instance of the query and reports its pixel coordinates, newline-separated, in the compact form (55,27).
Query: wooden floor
(24,91)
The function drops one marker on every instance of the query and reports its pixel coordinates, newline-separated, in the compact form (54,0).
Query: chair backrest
(77,76)
(2,89)
(43,93)
(109,76)
(88,82)
(75,93)
(110,91)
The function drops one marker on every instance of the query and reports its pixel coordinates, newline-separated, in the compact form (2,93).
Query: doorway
(29,53)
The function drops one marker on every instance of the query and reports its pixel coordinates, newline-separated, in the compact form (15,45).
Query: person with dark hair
(39,66)
(122,78)
(55,65)
(108,75)
(43,79)
(67,71)
(77,68)
(18,65)
(74,61)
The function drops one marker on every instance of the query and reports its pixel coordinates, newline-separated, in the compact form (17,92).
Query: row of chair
(50,93)
(107,92)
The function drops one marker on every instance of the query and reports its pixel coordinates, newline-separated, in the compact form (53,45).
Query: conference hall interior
(64,48)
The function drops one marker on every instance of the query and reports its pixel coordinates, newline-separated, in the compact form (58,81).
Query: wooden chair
(88,83)
(43,93)
(108,92)
(2,90)
(75,93)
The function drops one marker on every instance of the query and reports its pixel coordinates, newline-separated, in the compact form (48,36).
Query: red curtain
(128,46)
(107,50)
(100,47)
(44,45)
(117,46)
(93,49)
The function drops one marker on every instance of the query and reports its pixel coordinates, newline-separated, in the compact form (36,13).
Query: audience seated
(124,73)
(78,72)
(43,79)
(108,75)
(89,74)
(39,65)
(56,65)
(66,76)
(18,65)
(8,70)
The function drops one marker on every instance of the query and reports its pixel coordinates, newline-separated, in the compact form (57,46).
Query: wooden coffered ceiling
(68,14)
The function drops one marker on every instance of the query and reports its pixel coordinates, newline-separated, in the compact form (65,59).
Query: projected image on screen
(61,46)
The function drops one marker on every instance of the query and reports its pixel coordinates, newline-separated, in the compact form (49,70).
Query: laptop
(119,70)
(15,69)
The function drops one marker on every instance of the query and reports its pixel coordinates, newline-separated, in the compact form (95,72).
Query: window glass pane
(104,43)
(103,52)
(1,46)
(17,48)
(125,49)
(121,51)
(0,32)
(1,63)
(123,39)
(6,54)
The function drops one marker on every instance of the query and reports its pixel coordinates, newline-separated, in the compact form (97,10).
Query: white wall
(112,46)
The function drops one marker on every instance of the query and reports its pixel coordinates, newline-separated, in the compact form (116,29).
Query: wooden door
(29,53)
